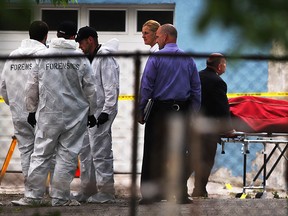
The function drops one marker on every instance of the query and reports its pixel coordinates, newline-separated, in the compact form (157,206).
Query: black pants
(203,161)
(155,165)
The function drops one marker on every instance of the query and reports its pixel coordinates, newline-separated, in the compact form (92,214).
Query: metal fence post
(137,63)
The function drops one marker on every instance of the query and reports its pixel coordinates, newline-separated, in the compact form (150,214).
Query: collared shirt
(154,48)
(91,57)
(170,78)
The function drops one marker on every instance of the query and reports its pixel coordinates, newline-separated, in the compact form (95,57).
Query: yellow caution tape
(228,186)
(230,95)
(260,94)
(126,97)
(243,196)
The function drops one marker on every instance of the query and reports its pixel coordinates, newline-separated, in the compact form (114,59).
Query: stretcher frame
(265,139)
(9,156)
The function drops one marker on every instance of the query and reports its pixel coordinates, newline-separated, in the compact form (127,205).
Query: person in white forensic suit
(96,156)
(13,79)
(62,93)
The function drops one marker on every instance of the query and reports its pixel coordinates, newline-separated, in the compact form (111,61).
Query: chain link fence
(245,75)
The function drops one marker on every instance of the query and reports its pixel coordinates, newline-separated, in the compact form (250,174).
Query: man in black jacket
(216,118)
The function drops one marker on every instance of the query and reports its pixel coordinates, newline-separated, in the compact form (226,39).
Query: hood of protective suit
(110,46)
(29,47)
(63,43)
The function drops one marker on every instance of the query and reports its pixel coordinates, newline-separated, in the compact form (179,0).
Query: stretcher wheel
(259,195)
(238,195)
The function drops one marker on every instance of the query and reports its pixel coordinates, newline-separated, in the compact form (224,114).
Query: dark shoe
(200,193)
(148,201)
(184,200)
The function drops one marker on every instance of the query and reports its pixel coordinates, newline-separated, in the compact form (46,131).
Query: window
(54,17)
(161,16)
(108,20)
(15,19)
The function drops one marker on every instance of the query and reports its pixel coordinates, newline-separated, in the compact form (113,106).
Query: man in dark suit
(216,120)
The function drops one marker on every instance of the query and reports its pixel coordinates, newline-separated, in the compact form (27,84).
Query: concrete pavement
(221,201)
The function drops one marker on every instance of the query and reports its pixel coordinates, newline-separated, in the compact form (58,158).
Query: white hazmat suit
(13,80)
(63,93)
(96,159)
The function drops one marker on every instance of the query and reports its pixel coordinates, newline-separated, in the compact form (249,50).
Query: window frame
(110,9)
(60,9)
(150,10)
(83,11)
(19,31)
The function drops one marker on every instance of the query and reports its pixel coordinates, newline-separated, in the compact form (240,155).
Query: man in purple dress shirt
(172,83)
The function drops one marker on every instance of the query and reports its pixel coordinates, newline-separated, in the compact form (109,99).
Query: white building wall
(130,41)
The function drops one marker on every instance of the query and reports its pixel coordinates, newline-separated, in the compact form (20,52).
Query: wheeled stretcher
(280,144)
(259,121)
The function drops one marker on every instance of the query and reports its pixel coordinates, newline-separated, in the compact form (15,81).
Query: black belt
(175,105)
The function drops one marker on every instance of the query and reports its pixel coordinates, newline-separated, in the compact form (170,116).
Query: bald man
(215,110)
(173,83)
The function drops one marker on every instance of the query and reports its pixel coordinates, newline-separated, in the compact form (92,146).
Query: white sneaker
(58,202)
(26,202)
(72,202)
(80,197)
(101,197)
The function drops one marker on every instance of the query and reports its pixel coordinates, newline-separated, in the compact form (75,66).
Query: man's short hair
(214,59)
(38,30)
(169,29)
